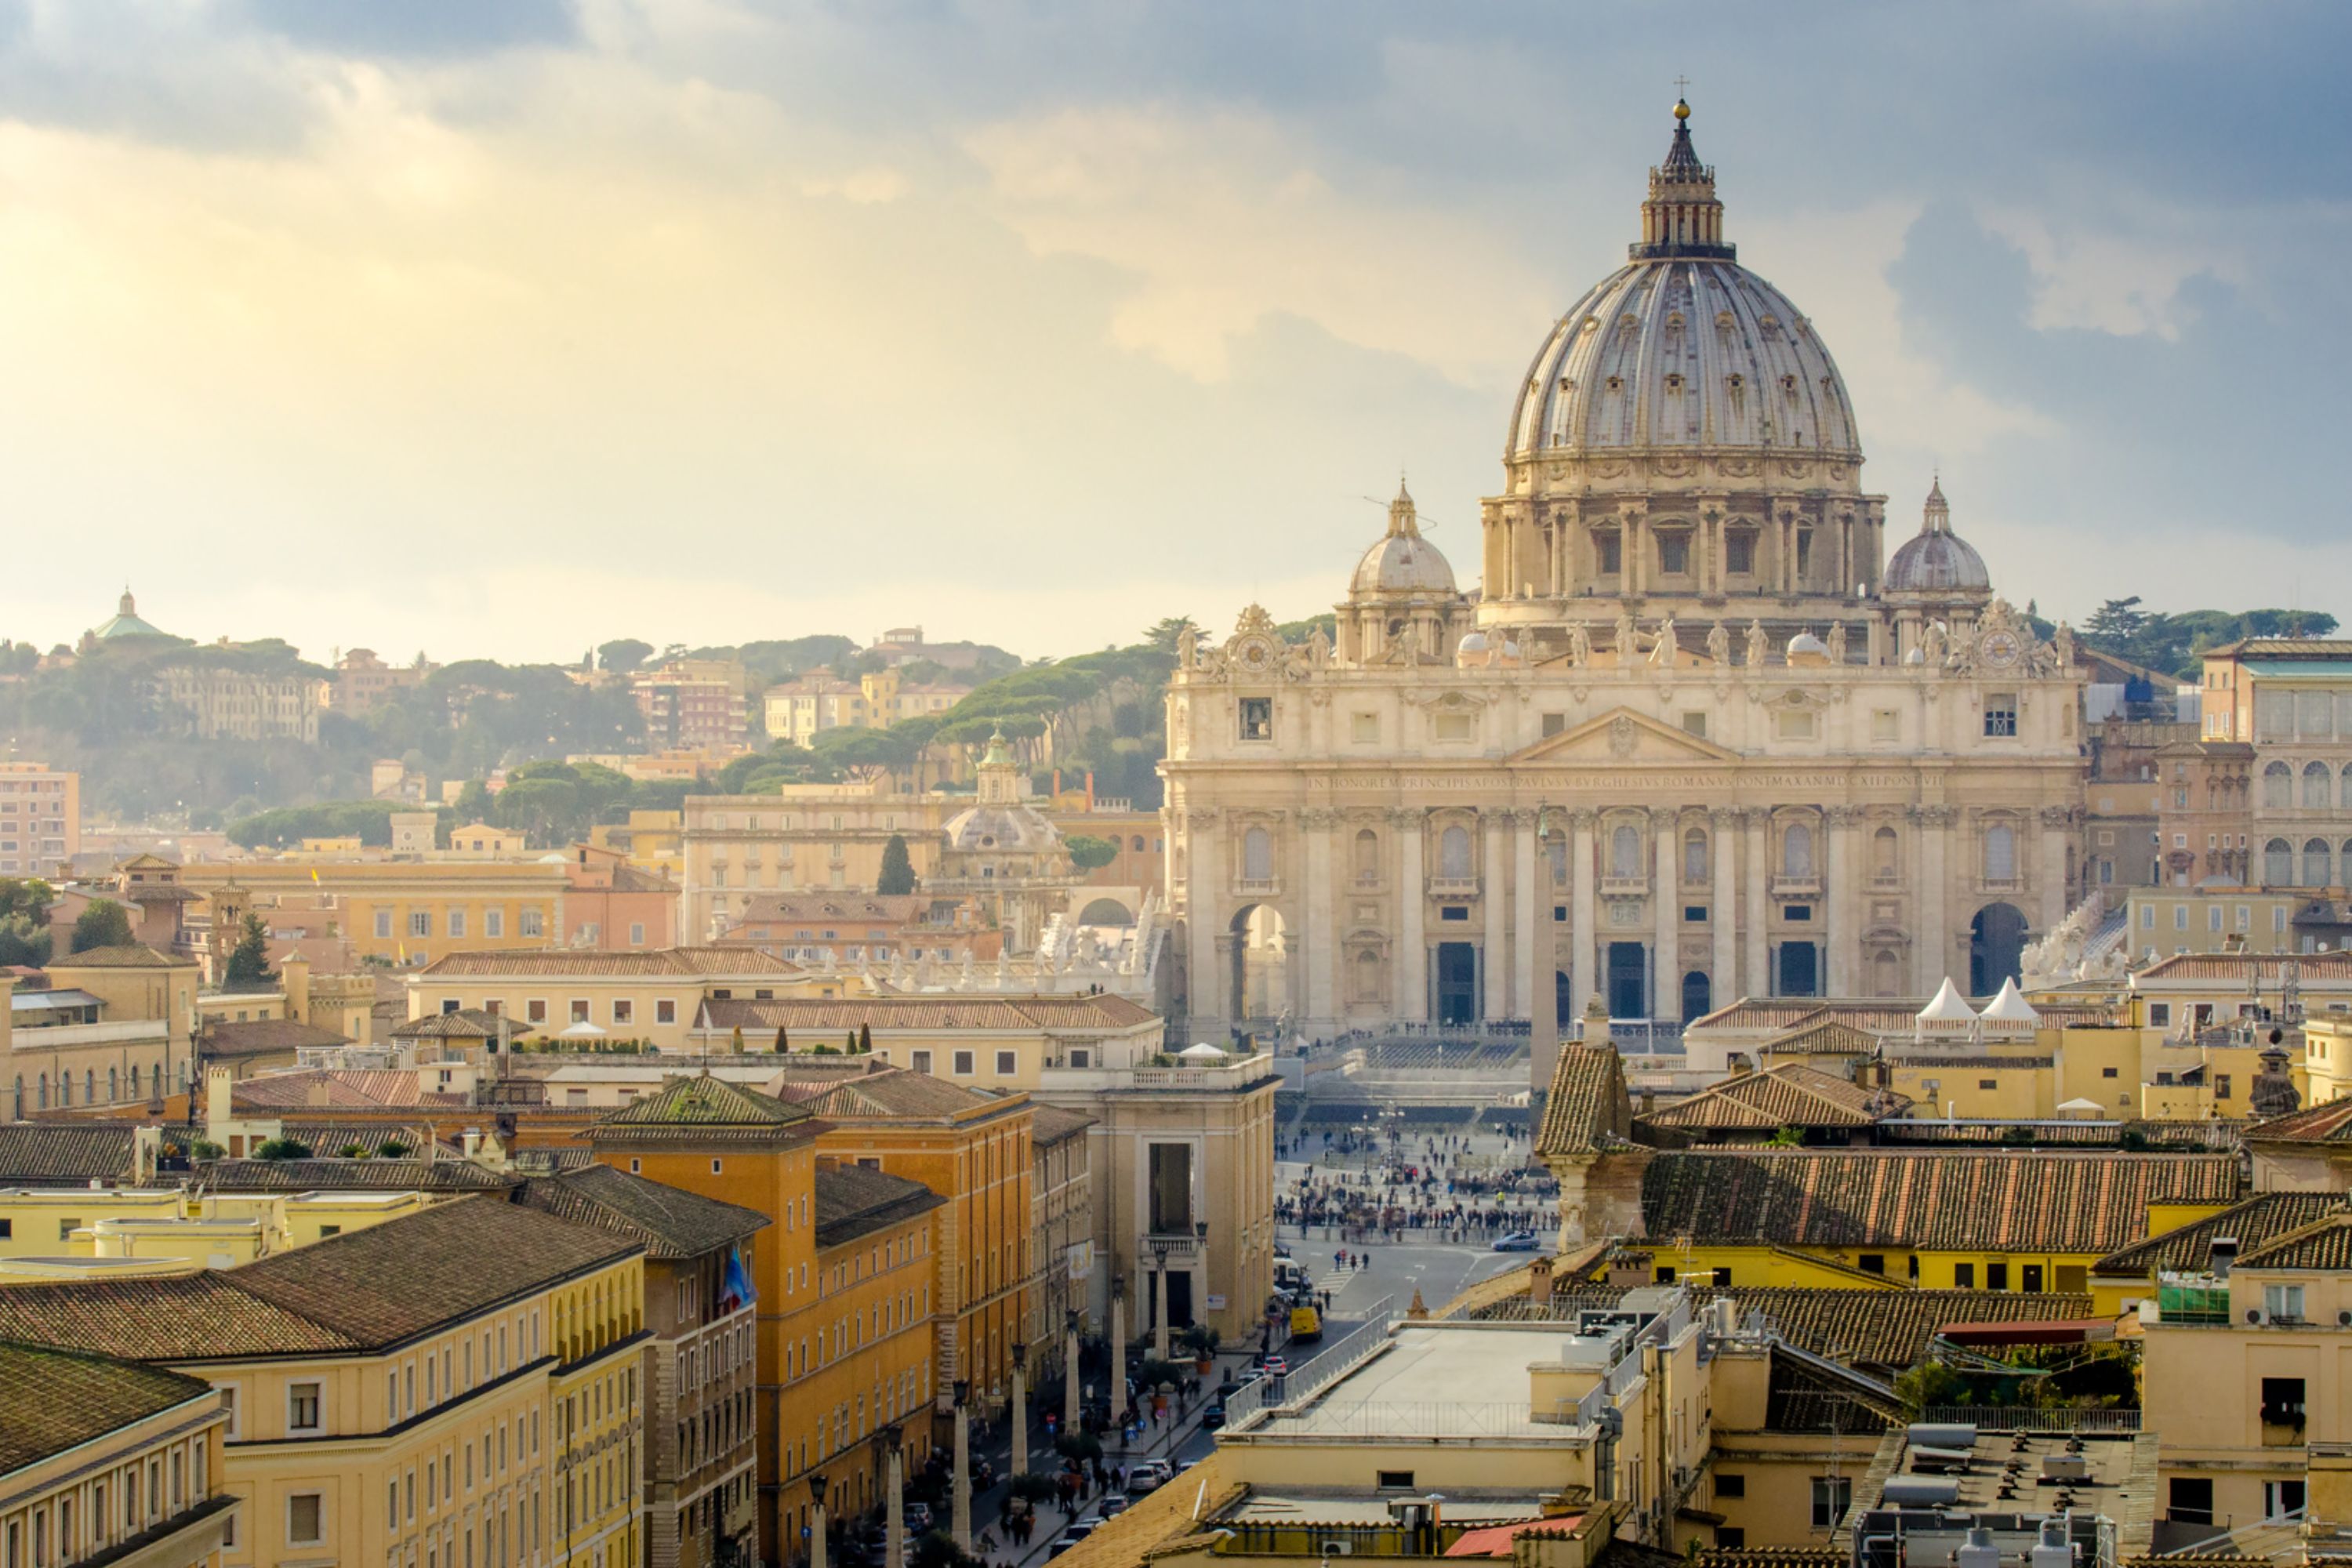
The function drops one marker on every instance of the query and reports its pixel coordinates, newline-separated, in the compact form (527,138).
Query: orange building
(846,1281)
(973,1149)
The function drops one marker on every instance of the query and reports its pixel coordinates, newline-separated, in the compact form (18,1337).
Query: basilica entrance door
(1629,975)
(1457,982)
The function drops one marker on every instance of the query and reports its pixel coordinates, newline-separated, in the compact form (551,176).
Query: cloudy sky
(504,326)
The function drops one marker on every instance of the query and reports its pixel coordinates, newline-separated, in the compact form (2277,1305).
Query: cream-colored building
(803,836)
(1687,741)
(41,818)
(465,1380)
(103,1461)
(2161,922)
(116,1027)
(655,999)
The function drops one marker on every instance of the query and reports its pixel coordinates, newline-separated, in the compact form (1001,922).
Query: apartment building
(462,1384)
(107,1461)
(655,999)
(404,911)
(363,681)
(218,704)
(40,819)
(842,1323)
(115,1025)
(850,929)
(701,1429)
(693,704)
(827,836)
(2290,698)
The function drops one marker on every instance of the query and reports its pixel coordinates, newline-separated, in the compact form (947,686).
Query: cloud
(418,27)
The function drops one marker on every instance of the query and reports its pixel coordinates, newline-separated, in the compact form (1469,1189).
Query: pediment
(1622,736)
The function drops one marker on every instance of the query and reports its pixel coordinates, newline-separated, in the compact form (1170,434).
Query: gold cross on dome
(1681,87)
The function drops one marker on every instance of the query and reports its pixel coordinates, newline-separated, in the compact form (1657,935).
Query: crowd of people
(1361,1187)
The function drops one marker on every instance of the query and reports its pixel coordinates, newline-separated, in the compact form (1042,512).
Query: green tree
(622,654)
(863,753)
(283,1147)
(865,1039)
(104,924)
(1087,852)
(27,896)
(1163,634)
(23,943)
(248,961)
(898,867)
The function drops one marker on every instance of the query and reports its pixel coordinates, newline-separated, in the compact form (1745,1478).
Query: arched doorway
(1996,944)
(1259,987)
(1697,992)
(1106,912)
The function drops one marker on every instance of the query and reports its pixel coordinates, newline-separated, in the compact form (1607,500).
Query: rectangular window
(665,1011)
(535,1010)
(1606,547)
(384,925)
(1873,1262)
(1695,723)
(494,923)
(579,1009)
(636,933)
(1964,1276)
(2147,917)
(1394,1480)
(919,1061)
(1832,1496)
(2283,1303)
(1739,552)
(1995,1276)
(2188,1499)
(1673,554)
(2159,1014)
(1792,723)
(1257,718)
(305,1520)
(1730,1484)
(963,1064)
(2282,1401)
(624,1011)
(2000,713)
(457,922)
(1007,1063)
(302,1406)
(420,922)
(531,922)
(1554,723)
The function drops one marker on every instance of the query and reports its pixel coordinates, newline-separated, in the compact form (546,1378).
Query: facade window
(1608,552)
(1258,856)
(1454,854)
(1367,856)
(2278,864)
(636,933)
(494,924)
(1739,552)
(302,1406)
(1008,1064)
(1792,723)
(420,922)
(1673,554)
(2278,785)
(579,1009)
(1797,851)
(2188,1499)
(919,1061)
(1452,727)
(2000,713)
(1365,972)
(457,922)
(384,925)
(623,1011)
(2282,1401)
(1695,857)
(1257,718)
(305,1520)
(2001,853)
(535,1010)
(531,923)
(1882,848)
(2314,863)
(963,1064)
(1832,1496)
(2283,1303)
(1624,852)
(665,1011)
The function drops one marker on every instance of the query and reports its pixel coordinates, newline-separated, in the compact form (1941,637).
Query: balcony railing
(1182,1250)
(1624,886)
(1454,887)
(1796,884)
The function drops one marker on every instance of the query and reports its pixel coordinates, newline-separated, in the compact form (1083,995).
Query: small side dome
(1806,643)
(1402,562)
(1936,559)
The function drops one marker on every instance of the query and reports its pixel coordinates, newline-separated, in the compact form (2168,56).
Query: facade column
(2055,821)
(1318,947)
(1841,935)
(1582,938)
(1757,872)
(1934,960)
(1204,927)
(1494,969)
(1666,906)
(1523,916)
(1412,950)
(1722,845)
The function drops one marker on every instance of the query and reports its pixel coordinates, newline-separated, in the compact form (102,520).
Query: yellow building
(114,1027)
(405,911)
(465,1382)
(804,836)
(108,1461)
(652,841)
(216,1230)
(982,1041)
(2244,1375)
(653,997)
(2163,923)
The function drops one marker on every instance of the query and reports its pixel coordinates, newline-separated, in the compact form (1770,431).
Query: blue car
(1518,1241)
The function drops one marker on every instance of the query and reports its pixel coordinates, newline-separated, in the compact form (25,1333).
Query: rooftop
(264,1036)
(63,1153)
(1787,1096)
(1586,1108)
(1944,1200)
(129,956)
(2324,1244)
(670,1223)
(853,1201)
(894,1095)
(711,1107)
(928,1013)
(2190,1248)
(1414,1389)
(330,1173)
(60,1399)
(675,963)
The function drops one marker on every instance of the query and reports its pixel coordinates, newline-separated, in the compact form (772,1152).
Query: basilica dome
(1936,559)
(1683,347)
(1402,562)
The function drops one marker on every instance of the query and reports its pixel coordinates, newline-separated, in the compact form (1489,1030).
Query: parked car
(1518,1241)
(1212,1417)
(918,1516)
(1112,1505)
(1147,1476)
(1276,1366)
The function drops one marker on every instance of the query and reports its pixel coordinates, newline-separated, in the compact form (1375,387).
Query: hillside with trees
(2175,644)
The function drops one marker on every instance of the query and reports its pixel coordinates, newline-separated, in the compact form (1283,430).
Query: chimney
(220,1099)
(1539,1281)
(472,1142)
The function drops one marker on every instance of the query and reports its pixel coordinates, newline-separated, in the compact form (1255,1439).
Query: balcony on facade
(1796,884)
(1453,887)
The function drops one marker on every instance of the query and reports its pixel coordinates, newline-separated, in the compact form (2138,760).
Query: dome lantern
(1682,217)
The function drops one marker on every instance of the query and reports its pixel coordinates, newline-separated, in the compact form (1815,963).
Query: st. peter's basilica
(1694,736)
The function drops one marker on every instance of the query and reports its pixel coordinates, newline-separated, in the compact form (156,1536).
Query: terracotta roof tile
(260,1037)
(2325,1243)
(679,963)
(2240,967)
(129,956)
(2025,1201)
(885,1095)
(337,1088)
(1586,1108)
(62,1153)
(711,1107)
(1824,1036)
(2327,1123)
(670,1222)
(59,1399)
(370,1175)
(853,1201)
(199,1317)
(1785,1096)
(928,1013)
(2189,1249)
(1050,1124)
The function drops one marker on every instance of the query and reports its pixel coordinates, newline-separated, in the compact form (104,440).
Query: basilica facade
(1694,736)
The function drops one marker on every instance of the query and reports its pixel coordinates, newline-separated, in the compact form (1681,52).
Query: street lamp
(1159,1300)
(817,1536)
